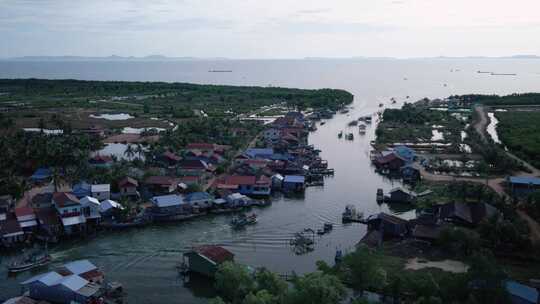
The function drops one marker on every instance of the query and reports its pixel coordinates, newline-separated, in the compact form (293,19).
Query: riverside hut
(206,259)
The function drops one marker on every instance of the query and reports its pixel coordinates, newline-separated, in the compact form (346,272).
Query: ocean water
(144,259)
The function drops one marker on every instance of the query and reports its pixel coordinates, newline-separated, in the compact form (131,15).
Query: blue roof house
(41,174)
(294,183)
(200,199)
(521,294)
(521,186)
(405,153)
(82,189)
(264,153)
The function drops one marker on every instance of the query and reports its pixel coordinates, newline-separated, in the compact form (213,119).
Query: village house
(41,175)
(247,185)
(128,187)
(388,225)
(11,232)
(236,200)
(82,189)
(50,226)
(157,185)
(465,214)
(523,186)
(90,207)
(400,195)
(199,199)
(110,210)
(101,191)
(405,153)
(168,207)
(54,287)
(206,259)
(389,161)
(272,135)
(294,183)
(84,269)
(103,161)
(68,208)
(26,218)
(194,167)
(261,153)
(169,159)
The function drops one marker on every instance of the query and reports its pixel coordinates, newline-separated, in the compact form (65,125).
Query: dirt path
(481,125)
(493,182)
(534,227)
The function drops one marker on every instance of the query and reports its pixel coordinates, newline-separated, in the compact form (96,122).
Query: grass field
(520,133)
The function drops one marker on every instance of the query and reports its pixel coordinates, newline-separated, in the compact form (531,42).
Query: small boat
(322,123)
(339,256)
(362,129)
(368,119)
(350,136)
(408,97)
(30,262)
(353,123)
(328,227)
(340,134)
(380,195)
(351,215)
(381,105)
(244,220)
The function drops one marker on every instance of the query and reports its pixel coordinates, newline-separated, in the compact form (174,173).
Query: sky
(269,29)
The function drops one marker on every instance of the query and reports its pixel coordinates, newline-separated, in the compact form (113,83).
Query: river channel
(144,259)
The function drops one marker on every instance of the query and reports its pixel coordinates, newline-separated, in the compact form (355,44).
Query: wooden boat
(350,136)
(322,123)
(30,262)
(340,134)
(339,256)
(380,195)
(381,105)
(244,220)
(350,215)
(353,123)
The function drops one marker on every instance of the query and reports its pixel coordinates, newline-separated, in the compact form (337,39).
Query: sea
(144,260)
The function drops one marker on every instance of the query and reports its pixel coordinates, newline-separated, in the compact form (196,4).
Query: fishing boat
(362,129)
(367,119)
(350,215)
(244,220)
(340,134)
(350,136)
(30,261)
(327,227)
(381,105)
(353,123)
(380,195)
(339,256)
(322,123)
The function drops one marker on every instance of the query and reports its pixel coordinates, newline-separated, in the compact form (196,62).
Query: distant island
(187,58)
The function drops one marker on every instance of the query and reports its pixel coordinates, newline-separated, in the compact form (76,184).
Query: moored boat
(351,215)
(30,262)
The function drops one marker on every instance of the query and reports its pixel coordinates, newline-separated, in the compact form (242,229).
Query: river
(144,259)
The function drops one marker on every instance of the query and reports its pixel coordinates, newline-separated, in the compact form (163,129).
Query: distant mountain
(485,57)
(108,58)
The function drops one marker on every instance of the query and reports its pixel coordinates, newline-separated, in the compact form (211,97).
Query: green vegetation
(177,99)
(447,192)
(414,123)
(496,100)
(237,284)
(520,132)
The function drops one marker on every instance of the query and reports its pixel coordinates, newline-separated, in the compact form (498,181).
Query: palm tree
(130,152)
(139,149)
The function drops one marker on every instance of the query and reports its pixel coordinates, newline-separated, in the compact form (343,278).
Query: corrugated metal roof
(294,179)
(73,282)
(522,291)
(73,220)
(524,180)
(101,188)
(88,200)
(30,223)
(109,204)
(167,200)
(80,266)
(48,278)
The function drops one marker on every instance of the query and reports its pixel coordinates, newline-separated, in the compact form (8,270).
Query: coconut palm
(130,152)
